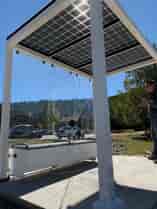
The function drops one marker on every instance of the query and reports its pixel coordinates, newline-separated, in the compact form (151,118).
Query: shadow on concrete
(32,183)
(134,199)
(11,201)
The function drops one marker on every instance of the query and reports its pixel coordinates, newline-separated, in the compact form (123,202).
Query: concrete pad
(77,187)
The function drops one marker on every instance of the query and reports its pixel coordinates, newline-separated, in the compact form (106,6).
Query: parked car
(21,131)
(70,132)
(38,133)
(25,131)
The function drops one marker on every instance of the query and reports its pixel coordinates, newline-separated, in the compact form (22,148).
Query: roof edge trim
(117,9)
(30,19)
(49,60)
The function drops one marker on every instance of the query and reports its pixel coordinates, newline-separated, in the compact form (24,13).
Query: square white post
(5,118)
(101,109)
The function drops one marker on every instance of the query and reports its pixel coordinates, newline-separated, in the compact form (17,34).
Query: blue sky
(33,81)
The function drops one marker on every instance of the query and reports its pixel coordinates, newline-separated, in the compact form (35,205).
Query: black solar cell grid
(68,26)
(66,38)
(124,59)
(117,38)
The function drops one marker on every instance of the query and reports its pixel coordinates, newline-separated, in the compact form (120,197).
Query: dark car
(26,131)
(69,132)
(21,131)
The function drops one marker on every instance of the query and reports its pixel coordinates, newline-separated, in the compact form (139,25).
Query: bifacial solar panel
(123,59)
(117,39)
(66,38)
(66,28)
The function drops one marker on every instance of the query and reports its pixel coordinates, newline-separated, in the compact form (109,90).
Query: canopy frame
(102,122)
(56,6)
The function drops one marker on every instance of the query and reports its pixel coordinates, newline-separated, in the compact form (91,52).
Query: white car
(70,132)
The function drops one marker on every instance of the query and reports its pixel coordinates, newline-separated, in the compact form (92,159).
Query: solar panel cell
(124,59)
(68,26)
(66,38)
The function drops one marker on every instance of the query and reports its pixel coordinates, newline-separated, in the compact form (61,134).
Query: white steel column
(101,108)
(5,119)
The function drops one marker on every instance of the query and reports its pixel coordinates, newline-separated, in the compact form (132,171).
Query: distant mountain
(125,112)
(65,108)
(45,113)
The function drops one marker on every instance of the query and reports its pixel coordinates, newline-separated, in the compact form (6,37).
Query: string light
(17,52)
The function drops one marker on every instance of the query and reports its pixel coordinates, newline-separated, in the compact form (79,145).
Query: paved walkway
(77,188)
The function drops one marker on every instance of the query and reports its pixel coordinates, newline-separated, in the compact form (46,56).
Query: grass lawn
(31,141)
(133,141)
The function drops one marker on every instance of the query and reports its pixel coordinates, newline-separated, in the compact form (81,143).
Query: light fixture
(84,1)
(17,52)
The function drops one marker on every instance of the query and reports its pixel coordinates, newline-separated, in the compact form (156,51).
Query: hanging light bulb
(84,1)
(43,62)
(52,65)
(17,52)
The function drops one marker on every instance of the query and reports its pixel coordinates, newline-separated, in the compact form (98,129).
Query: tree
(48,118)
(125,110)
(134,83)
(137,78)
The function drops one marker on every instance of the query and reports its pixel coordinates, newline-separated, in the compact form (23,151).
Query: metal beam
(117,9)
(134,67)
(38,21)
(82,38)
(49,60)
(131,67)
(101,106)
(5,118)
(79,71)
(113,54)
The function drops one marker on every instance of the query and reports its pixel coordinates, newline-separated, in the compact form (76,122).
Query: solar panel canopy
(66,38)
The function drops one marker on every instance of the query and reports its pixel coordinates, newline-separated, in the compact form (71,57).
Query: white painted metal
(132,67)
(11,161)
(103,133)
(19,165)
(50,60)
(43,157)
(40,20)
(108,199)
(5,113)
(42,57)
(115,6)
(100,91)
(60,5)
